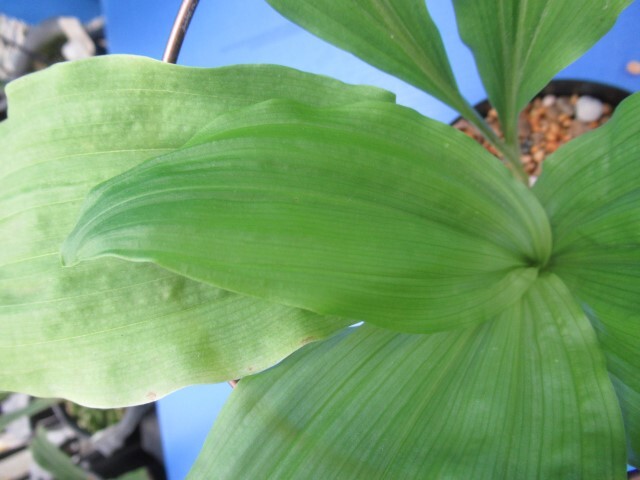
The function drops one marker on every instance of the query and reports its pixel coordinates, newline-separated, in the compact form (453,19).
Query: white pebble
(588,109)
(548,100)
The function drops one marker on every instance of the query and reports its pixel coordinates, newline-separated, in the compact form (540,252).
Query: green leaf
(369,211)
(128,333)
(397,36)
(591,191)
(525,395)
(139,474)
(36,406)
(55,461)
(520,45)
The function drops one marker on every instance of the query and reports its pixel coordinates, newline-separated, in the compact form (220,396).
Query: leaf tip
(69,253)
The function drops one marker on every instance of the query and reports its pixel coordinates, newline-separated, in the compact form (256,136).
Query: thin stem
(510,152)
(512,143)
(179,30)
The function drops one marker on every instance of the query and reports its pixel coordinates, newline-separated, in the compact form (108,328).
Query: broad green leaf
(369,211)
(36,406)
(591,191)
(54,460)
(520,45)
(397,36)
(525,395)
(128,333)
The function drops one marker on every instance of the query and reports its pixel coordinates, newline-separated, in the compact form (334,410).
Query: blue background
(35,11)
(227,32)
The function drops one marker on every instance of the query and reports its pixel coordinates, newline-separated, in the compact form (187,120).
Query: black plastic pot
(606,93)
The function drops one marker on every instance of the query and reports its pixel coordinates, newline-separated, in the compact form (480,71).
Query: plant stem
(512,144)
(510,151)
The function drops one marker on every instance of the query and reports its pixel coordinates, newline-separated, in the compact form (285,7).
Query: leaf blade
(591,194)
(523,396)
(54,460)
(36,406)
(76,125)
(520,45)
(398,37)
(359,210)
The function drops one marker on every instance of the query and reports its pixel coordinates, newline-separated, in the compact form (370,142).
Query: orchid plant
(165,226)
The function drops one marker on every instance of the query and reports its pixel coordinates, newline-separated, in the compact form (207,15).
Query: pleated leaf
(113,333)
(369,211)
(525,395)
(591,191)
(520,45)
(396,36)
